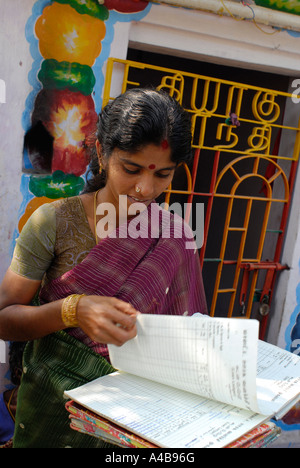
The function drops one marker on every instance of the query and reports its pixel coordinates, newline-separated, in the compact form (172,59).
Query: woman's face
(141,176)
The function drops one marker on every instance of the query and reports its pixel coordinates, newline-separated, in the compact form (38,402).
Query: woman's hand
(107,319)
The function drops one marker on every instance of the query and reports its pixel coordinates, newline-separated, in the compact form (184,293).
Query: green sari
(52,365)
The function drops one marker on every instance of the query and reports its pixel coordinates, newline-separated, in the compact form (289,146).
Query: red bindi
(152,166)
(164,144)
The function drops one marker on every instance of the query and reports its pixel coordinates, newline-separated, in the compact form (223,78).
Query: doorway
(241,172)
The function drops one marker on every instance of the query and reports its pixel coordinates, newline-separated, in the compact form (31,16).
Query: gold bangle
(69,310)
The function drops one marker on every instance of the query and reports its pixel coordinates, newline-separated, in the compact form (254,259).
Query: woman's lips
(138,200)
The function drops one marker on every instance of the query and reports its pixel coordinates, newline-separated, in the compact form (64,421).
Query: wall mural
(70,41)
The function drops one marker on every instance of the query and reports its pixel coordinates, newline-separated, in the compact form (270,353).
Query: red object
(152,166)
(70,118)
(164,144)
(126,6)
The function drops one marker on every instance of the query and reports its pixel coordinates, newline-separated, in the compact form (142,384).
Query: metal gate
(239,173)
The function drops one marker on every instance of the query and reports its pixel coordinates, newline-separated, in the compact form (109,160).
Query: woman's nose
(146,184)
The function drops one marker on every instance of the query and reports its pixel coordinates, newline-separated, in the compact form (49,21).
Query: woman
(92,282)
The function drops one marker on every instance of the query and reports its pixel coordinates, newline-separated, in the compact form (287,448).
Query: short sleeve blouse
(56,237)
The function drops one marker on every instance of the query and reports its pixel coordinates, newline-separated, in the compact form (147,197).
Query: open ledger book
(189,382)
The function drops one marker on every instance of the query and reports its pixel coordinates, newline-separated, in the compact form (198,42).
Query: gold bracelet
(69,310)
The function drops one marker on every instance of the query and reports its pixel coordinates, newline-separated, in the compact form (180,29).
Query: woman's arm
(18,320)
(103,319)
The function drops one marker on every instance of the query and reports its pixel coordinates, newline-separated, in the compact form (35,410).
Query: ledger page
(278,379)
(164,415)
(212,357)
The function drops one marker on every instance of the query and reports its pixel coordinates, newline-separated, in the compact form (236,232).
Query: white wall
(15,64)
(218,39)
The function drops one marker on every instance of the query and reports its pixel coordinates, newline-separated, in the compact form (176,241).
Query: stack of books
(87,422)
(189,382)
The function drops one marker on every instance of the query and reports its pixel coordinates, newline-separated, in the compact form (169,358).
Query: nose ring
(137,189)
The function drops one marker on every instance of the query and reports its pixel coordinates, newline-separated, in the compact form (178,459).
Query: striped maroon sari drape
(145,262)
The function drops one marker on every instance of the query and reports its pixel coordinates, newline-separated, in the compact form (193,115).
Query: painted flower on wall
(69,117)
(126,6)
(56,185)
(72,119)
(66,75)
(88,7)
(289,6)
(68,36)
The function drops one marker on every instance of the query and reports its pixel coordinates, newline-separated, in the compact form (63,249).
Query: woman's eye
(162,176)
(128,171)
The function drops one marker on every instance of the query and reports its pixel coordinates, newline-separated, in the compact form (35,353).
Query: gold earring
(100,167)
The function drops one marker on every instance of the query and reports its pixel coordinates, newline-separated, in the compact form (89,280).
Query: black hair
(135,119)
